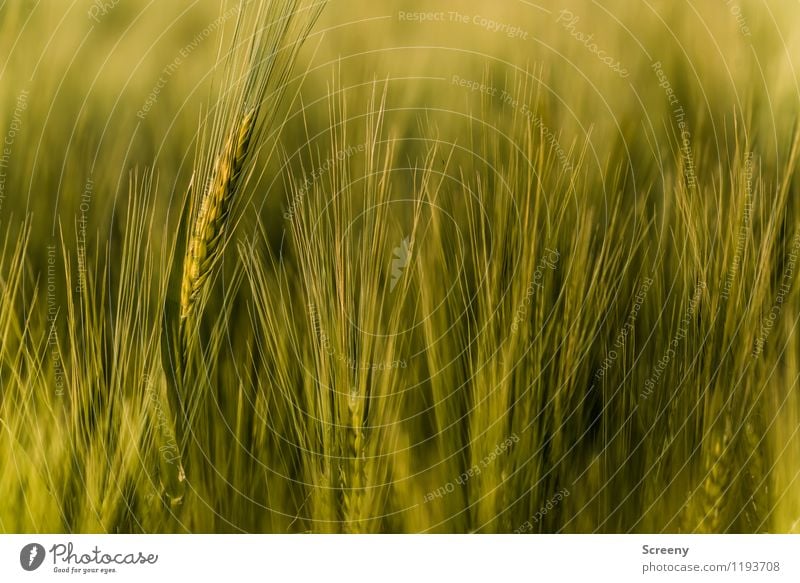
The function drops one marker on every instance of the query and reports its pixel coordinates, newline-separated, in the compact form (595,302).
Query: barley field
(296,266)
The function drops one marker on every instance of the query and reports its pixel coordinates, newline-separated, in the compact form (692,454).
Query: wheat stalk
(206,244)
(752,465)
(203,253)
(705,510)
(352,491)
(714,488)
(265,62)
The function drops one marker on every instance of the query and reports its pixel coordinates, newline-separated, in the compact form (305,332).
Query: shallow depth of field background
(545,252)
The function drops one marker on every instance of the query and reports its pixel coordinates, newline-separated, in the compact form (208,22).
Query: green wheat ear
(752,464)
(353,480)
(705,512)
(206,244)
(715,489)
(203,252)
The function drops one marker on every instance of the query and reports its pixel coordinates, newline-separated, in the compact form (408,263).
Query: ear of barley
(705,509)
(202,235)
(204,249)
(206,243)
(715,487)
(752,464)
(354,479)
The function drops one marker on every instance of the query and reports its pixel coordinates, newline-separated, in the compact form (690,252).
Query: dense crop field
(354,266)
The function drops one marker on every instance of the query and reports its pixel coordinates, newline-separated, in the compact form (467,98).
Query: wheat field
(296,266)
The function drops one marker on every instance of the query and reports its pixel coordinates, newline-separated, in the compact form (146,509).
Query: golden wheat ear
(207,240)
(204,249)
